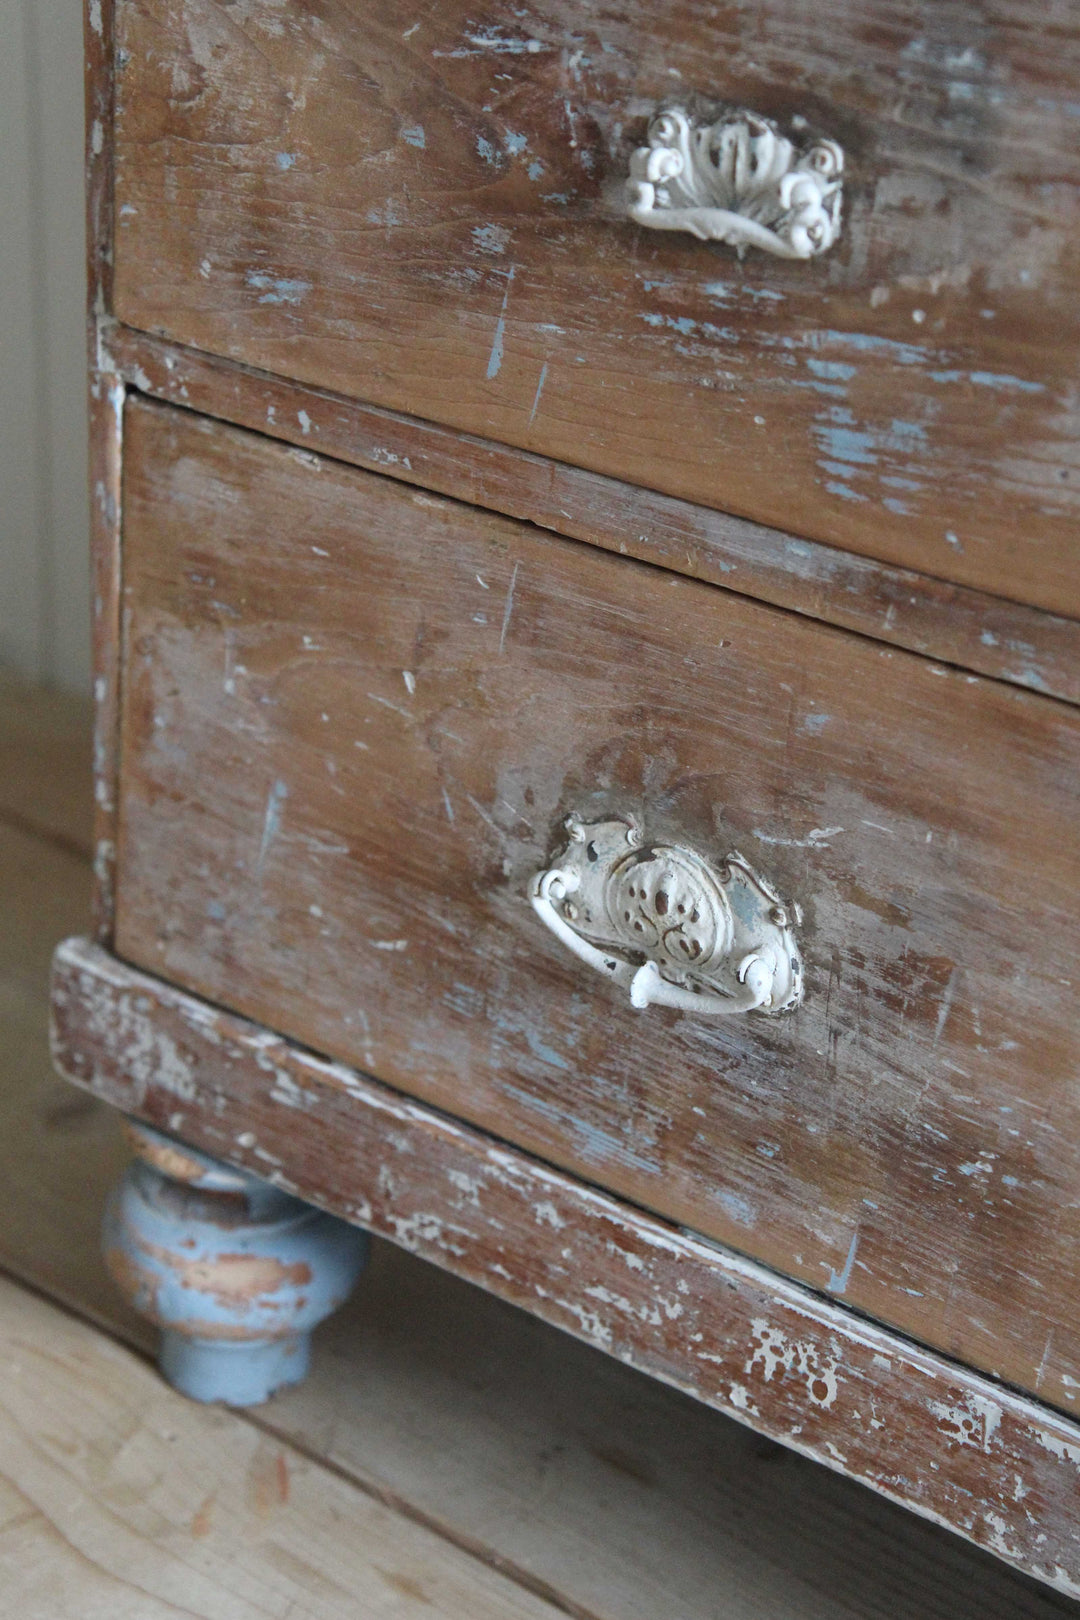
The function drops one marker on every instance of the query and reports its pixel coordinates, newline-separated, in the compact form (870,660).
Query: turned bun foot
(235,1272)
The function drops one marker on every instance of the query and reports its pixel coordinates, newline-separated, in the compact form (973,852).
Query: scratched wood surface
(962,1450)
(421,208)
(988,634)
(625,1498)
(355,717)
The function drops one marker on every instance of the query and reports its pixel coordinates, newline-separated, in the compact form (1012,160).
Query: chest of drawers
(587,718)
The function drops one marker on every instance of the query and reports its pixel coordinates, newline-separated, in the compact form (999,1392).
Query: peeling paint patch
(775,1353)
(974,1422)
(491,238)
(414,135)
(277,289)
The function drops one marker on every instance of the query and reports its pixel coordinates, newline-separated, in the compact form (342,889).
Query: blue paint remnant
(556,197)
(834,370)
(384,216)
(848,444)
(216,911)
(539,391)
(495,358)
(514,142)
(905,354)
(838,1280)
(845,492)
(893,482)
(737,1208)
(486,150)
(535,169)
(277,289)
(988,379)
(491,238)
(830,390)
(220,1342)
(275,799)
(686,327)
(988,638)
(546,1054)
(1026,676)
(891,504)
(415,136)
(592,1140)
(814,724)
(285,160)
(995,379)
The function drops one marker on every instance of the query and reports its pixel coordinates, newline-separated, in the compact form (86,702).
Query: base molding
(993,1465)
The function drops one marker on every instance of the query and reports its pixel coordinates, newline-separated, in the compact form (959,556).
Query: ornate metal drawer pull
(737,179)
(673,928)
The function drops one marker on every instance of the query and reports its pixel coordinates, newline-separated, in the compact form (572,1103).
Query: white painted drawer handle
(737,179)
(674,929)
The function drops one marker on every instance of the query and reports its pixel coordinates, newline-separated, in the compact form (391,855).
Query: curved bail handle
(646,985)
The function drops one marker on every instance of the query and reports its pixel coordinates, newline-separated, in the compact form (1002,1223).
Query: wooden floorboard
(119,1498)
(524,1450)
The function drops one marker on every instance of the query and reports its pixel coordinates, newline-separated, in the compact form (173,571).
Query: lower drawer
(355,719)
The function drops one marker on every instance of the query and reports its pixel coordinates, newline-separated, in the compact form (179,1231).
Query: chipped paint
(277,289)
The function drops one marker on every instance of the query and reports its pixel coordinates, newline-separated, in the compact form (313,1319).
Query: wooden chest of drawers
(678,942)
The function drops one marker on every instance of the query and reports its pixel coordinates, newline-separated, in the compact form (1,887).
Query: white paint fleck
(539,391)
(271,826)
(410,681)
(389,944)
(304,420)
(817,838)
(495,359)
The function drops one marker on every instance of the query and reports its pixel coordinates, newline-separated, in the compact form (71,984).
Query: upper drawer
(354,720)
(425,209)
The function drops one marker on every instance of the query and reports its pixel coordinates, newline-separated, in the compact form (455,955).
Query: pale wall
(44,610)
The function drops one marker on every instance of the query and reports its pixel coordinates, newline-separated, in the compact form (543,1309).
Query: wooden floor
(448,1457)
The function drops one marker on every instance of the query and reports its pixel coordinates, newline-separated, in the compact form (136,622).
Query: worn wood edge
(107,394)
(106,401)
(100,86)
(951,623)
(957,1448)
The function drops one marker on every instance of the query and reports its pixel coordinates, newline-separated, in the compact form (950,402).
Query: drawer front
(428,211)
(354,720)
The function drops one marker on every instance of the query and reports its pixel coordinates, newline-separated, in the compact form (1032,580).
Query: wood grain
(423,211)
(968,1453)
(953,623)
(119,1499)
(354,719)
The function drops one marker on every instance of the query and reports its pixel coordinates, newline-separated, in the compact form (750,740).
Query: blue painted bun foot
(235,1272)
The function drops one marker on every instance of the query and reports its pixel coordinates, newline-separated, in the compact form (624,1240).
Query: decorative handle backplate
(735,178)
(673,928)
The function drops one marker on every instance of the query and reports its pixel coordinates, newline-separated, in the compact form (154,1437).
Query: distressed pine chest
(587,676)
